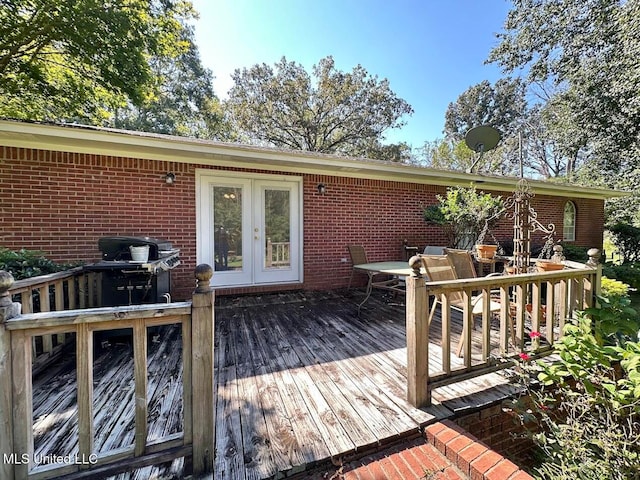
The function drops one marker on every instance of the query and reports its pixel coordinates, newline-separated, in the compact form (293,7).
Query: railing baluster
(562,303)
(506,321)
(84,368)
(521,300)
(536,306)
(467,327)
(58,299)
(26,299)
(551,313)
(486,323)
(92,300)
(445,315)
(58,295)
(72,292)
(22,400)
(140,375)
(187,403)
(45,299)
(82,291)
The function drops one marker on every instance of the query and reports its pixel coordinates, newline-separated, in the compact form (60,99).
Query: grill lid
(117,248)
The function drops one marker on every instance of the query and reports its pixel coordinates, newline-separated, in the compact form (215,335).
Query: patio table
(395,269)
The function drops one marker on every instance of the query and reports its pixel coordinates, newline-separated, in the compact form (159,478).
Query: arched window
(569,222)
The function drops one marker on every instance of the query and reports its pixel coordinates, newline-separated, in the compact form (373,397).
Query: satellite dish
(481,139)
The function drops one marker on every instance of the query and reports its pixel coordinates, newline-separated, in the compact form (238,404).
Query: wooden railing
(278,254)
(58,291)
(541,302)
(16,415)
(55,292)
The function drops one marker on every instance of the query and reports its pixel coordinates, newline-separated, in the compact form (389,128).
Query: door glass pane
(277,228)
(227,221)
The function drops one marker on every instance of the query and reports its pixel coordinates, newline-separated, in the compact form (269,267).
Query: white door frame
(252,185)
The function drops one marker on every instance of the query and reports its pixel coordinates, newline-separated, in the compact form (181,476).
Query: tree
(70,60)
(447,154)
(392,152)
(339,112)
(501,105)
(539,135)
(589,49)
(184,102)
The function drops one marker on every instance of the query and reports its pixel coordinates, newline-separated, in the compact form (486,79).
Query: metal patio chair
(358,257)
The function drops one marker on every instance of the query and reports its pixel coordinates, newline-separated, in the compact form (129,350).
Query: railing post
(8,309)
(594,262)
(203,407)
(417,312)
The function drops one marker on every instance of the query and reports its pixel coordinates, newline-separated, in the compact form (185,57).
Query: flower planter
(486,251)
(546,266)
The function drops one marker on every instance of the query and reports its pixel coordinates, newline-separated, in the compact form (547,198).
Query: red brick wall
(501,431)
(62,203)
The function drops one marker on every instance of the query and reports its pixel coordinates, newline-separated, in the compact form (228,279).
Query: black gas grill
(128,282)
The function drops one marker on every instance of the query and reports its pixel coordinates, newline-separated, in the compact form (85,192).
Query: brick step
(474,458)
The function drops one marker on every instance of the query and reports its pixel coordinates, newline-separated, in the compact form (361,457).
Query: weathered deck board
(386,372)
(368,393)
(228,444)
(301,379)
(284,441)
(309,441)
(358,431)
(259,462)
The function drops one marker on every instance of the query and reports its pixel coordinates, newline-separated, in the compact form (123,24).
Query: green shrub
(575,253)
(584,414)
(628,273)
(613,288)
(28,263)
(465,214)
(626,238)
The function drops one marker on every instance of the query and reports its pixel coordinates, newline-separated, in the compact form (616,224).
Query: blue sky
(430,51)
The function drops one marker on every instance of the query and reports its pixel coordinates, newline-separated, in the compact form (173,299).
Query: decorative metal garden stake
(525,221)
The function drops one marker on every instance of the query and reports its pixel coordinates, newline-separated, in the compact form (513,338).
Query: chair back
(439,268)
(462,262)
(433,250)
(357,254)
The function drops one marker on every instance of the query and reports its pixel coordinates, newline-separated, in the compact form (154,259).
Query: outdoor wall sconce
(170,178)
(322,188)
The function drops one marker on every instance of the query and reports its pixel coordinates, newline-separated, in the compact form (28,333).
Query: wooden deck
(301,381)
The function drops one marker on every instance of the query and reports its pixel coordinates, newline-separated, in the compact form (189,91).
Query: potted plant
(486,251)
(554,264)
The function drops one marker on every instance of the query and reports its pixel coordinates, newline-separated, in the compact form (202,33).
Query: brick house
(65,186)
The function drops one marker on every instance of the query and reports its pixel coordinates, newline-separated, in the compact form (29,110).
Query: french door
(249,227)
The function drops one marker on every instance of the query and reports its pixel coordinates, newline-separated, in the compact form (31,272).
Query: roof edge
(124,143)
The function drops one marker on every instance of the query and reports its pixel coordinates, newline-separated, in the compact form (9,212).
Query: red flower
(524,357)
(534,334)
